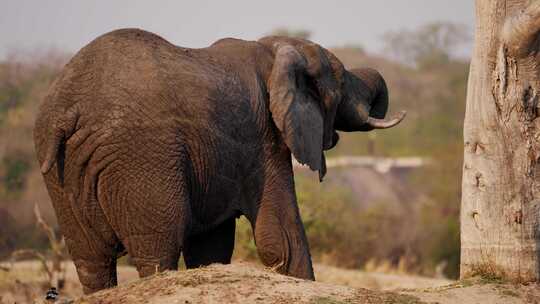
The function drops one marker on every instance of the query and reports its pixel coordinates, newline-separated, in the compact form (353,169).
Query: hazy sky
(70,24)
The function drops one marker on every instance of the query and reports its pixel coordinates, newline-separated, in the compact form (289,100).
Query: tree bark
(500,210)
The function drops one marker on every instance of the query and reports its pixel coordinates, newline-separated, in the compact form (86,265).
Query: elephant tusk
(383,123)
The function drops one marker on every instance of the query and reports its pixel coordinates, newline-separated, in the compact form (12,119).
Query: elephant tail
(62,128)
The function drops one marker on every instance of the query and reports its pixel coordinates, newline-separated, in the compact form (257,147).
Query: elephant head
(312,95)
(365,104)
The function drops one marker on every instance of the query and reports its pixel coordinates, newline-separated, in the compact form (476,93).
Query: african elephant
(152,149)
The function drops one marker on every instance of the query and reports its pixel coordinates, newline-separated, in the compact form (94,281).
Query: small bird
(52,295)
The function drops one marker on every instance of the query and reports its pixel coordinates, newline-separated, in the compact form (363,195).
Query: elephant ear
(296,113)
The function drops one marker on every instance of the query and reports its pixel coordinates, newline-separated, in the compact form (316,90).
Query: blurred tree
(282,31)
(355,47)
(8,232)
(13,170)
(428,45)
(500,214)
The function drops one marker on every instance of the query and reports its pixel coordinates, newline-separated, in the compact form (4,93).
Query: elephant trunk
(366,103)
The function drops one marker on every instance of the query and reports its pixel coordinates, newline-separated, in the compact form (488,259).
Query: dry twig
(54,270)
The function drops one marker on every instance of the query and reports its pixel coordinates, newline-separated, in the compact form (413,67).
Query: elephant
(153,150)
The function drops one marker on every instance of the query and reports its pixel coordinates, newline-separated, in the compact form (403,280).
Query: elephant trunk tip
(376,123)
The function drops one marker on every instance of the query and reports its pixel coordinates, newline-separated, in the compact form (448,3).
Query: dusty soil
(238,283)
(476,290)
(374,280)
(250,283)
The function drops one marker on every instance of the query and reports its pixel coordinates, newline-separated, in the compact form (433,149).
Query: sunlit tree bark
(500,212)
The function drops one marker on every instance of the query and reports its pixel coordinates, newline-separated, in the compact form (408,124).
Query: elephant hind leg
(145,195)
(214,246)
(151,216)
(96,275)
(152,253)
(92,243)
(153,232)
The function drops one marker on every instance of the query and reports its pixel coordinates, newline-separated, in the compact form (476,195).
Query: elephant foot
(286,254)
(95,276)
(148,267)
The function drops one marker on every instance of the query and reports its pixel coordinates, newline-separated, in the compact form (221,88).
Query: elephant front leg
(279,233)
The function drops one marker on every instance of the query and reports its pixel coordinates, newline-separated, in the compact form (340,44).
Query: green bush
(14,169)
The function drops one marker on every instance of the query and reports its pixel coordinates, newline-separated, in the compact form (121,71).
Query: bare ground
(477,290)
(251,283)
(238,283)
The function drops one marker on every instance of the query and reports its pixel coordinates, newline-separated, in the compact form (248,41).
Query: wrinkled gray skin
(152,149)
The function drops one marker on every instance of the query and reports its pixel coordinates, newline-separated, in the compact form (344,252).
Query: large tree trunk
(500,212)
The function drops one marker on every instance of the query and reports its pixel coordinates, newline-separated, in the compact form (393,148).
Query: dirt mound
(237,283)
